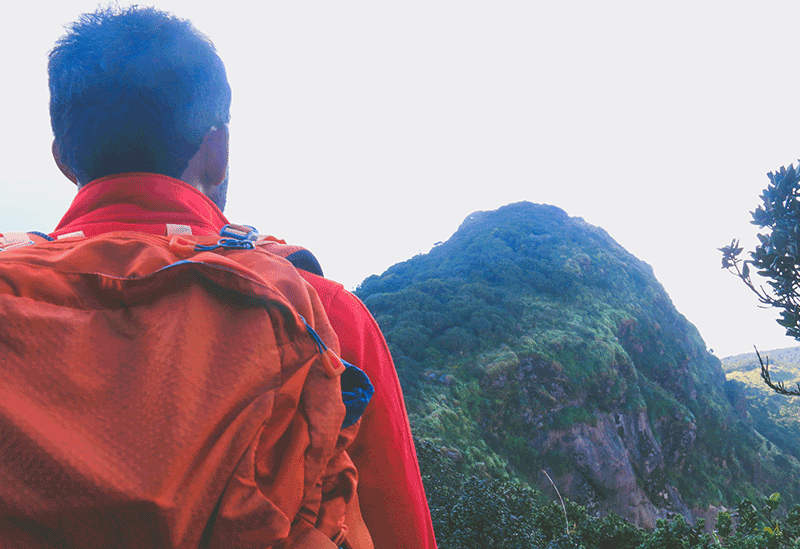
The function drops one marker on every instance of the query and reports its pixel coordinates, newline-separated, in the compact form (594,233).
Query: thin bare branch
(779,387)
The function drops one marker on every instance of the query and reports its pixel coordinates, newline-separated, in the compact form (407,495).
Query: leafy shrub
(678,534)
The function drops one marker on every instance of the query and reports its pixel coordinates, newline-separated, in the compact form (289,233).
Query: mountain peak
(532,341)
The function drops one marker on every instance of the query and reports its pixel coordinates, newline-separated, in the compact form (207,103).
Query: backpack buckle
(239,232)
(229,243)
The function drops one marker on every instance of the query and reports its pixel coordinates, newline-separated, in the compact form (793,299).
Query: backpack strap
(296,255)
(13,239)
(305,260)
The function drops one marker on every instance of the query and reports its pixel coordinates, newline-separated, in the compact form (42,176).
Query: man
(139,105)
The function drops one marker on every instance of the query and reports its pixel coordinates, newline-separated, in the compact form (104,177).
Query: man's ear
(209,166)
(66,170)
(217,155)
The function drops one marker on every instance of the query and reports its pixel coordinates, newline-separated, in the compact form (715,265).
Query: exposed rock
(617,466)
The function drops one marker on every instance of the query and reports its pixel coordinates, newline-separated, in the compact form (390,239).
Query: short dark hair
(134,90)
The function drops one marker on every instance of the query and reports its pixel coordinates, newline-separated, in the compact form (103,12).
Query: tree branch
(778,387)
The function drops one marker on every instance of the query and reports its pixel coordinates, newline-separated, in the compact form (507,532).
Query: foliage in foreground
(471,512)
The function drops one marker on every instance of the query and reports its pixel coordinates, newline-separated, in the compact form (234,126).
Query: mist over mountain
(532,342)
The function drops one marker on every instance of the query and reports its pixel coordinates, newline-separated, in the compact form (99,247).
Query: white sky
(368,130)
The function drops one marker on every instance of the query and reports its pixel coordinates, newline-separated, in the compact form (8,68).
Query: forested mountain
(532,342)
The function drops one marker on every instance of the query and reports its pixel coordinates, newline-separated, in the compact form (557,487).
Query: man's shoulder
(335,298)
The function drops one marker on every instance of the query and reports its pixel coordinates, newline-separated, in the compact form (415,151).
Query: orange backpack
(170,391)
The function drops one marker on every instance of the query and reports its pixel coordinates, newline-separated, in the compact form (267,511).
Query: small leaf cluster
(756,529)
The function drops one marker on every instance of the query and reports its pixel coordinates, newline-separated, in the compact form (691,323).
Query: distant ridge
(784,353)
(784,366)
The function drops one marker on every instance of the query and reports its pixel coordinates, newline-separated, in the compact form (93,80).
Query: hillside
(776,417)
(531,341)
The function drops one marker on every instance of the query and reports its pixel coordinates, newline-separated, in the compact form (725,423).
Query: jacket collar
(142,202)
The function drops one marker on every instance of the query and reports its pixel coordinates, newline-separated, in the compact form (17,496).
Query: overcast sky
(368,130)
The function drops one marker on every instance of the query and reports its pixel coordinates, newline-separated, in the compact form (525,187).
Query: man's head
(136,90)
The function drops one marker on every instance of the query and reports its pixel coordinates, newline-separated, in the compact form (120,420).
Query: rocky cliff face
(610,461)
(531,342)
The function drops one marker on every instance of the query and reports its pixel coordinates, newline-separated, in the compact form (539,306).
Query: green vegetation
(471,512)
(532,341)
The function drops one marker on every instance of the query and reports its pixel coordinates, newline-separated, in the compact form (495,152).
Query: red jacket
(390,488)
